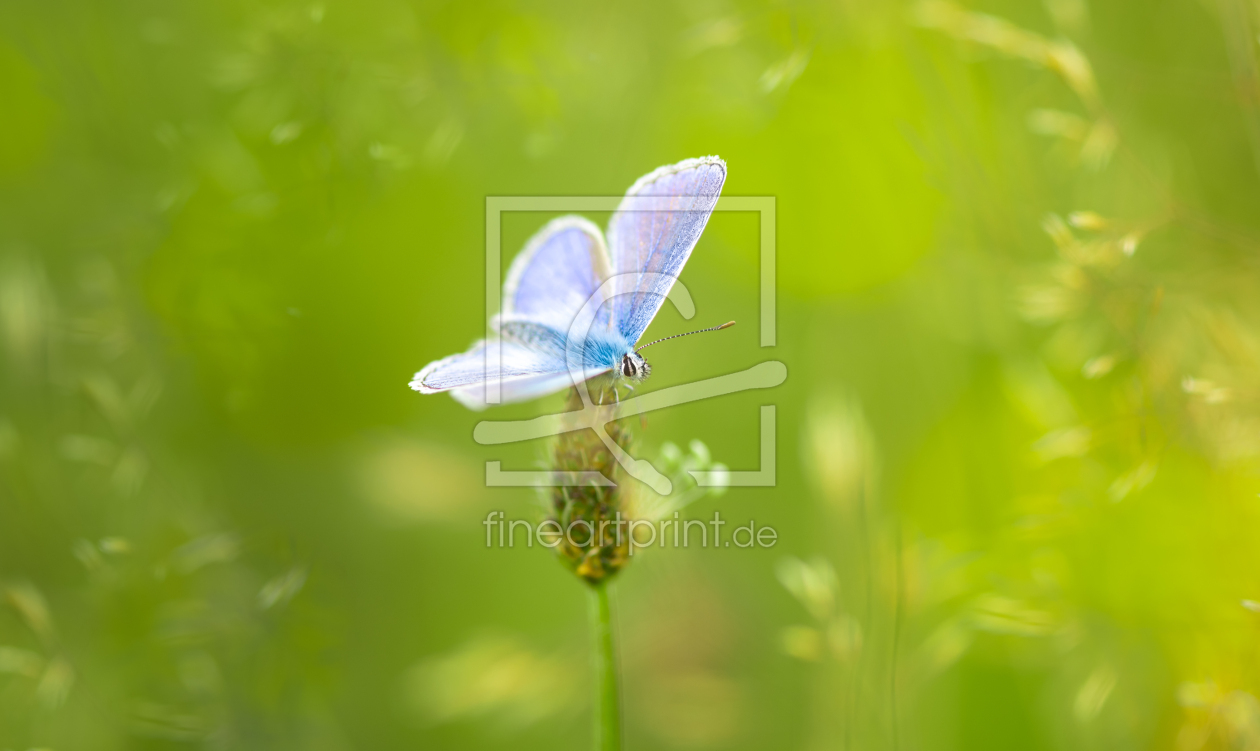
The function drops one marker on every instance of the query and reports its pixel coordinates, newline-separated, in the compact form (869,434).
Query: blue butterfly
(571,311)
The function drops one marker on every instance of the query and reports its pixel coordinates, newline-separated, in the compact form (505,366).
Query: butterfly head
(634,367)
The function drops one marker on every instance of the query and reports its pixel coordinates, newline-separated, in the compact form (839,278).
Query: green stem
(607,709)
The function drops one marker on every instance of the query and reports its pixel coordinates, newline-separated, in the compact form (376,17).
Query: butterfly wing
(469,368)
(653,233)
(547,285)
(559,270)
(527,372)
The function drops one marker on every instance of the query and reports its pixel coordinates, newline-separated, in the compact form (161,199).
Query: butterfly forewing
(560,269)
(652,234)
(468,368)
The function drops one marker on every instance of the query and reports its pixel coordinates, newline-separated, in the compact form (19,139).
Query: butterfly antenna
(726,325)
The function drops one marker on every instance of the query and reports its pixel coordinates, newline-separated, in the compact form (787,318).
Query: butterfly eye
(627,367)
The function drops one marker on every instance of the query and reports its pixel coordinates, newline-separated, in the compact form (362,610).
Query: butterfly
(574,305)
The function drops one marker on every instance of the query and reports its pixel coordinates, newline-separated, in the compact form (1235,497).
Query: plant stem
(607,707)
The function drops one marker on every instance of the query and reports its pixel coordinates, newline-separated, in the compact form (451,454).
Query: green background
(1017,493)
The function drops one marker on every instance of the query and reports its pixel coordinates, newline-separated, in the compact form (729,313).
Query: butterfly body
(573,310)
